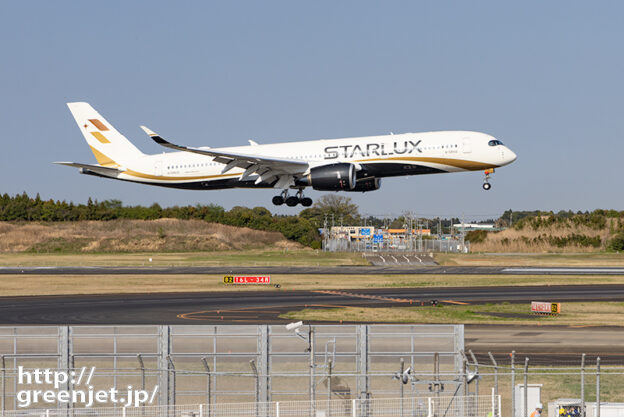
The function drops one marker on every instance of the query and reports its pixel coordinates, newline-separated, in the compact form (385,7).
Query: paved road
(540,343)
(264,306)
(546,345)
(313,270)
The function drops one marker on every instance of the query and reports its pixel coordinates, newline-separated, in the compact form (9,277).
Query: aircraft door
(466,146)
(158,168)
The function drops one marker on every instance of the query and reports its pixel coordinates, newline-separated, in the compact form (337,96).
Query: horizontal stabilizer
(96,168)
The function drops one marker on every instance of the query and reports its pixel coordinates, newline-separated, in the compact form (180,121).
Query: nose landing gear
(292,201)
(486,180)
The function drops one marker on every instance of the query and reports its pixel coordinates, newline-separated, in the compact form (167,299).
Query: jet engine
(367,184)
(333,177)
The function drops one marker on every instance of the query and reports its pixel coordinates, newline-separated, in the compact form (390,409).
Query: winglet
(148,131)
(157,138)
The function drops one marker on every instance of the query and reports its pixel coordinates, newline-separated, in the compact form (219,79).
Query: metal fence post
(164,347)
(476,369)
(64,350)
(330,365)
(311,340)
(583,385)
(513,384)
(172,381)
(252,365)
(458,335)
(598,386)
(526,387)
(402,369)
(362,360)
(142,365)
(429,407)
(205,362)
(465,376)
(3,384)
(264,372)
(495,373)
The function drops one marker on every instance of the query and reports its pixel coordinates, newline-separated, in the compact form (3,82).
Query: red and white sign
(247,279)
(545,308)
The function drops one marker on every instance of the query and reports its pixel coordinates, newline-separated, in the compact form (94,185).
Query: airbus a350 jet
(349,164)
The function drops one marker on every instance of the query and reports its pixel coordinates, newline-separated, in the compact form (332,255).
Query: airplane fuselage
(348,164)
(377,156)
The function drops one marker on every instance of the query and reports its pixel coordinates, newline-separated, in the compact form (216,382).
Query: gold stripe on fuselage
(457,163)
(166,178)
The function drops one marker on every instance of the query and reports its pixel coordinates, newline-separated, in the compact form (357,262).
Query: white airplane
(350,164)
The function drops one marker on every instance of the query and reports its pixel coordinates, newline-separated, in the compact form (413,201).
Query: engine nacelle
(333,177)
(367,184)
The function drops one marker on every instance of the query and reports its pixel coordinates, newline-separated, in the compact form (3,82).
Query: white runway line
(570,270)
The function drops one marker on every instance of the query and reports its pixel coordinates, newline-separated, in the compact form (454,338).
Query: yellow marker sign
(231,279)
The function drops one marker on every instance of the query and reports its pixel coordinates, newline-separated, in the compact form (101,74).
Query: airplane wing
(96,168)
(266,167)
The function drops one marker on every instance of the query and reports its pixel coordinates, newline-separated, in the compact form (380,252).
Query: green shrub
(617,243)
(476,236)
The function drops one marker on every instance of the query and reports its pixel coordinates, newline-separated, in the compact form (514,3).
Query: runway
(253,307)
(312,270)
(541,343)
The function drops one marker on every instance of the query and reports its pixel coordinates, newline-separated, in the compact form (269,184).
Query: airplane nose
(510,156)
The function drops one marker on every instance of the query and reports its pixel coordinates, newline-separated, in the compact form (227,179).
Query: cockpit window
(495,142)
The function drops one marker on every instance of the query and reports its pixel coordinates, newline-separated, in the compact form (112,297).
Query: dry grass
(576,314)
(253,257)
(512,240)
(16,285)
(531,259)
(134,236)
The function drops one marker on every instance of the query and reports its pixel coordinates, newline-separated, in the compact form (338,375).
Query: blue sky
(544,77)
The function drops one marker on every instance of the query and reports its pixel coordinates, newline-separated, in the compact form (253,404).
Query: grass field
(289,257)
(15,285)
(530,259)
(573,313)
(294,257)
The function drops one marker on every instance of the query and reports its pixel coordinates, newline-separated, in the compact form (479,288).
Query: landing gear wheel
(486,183)
(306,202)
(278,200)
(292,201)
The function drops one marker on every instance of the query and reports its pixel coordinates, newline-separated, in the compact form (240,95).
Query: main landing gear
(486,180)
(292,201)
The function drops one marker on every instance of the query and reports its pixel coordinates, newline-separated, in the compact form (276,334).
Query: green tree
(340,207)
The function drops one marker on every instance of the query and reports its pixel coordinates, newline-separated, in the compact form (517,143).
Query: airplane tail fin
(111,148)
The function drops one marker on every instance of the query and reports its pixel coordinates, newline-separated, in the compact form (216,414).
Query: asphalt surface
(256,307)
(543,344)
(313,270)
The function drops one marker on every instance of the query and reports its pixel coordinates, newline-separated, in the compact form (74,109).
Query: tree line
(22,207)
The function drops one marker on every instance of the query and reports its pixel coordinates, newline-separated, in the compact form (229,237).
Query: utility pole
(463,234)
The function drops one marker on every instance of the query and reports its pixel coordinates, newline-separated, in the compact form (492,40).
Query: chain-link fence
(433,406)
(223,364)
(396,245)
(566,385)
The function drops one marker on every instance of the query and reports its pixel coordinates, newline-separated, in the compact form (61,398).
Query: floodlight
(294,326)
(471,376)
